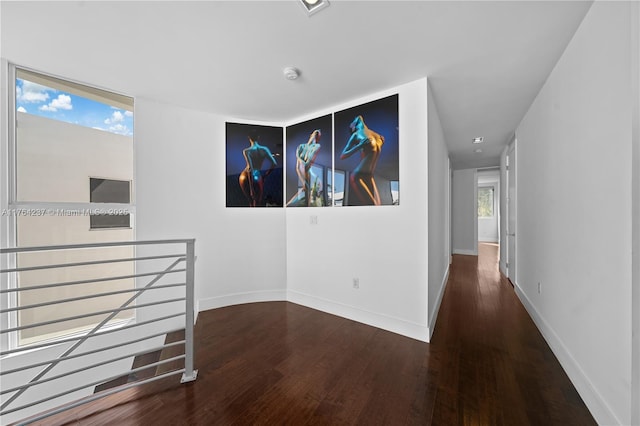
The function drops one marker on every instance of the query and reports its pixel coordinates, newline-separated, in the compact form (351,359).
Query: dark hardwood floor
(284,364)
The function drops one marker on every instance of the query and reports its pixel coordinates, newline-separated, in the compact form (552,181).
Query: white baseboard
(385,322)
(467,252)
(436,308)
(488,240)
(503,268)
(600,410)
(240,298)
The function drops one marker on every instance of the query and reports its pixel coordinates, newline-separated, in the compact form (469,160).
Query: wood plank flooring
(283,364)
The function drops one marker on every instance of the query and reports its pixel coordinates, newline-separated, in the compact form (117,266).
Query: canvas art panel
(309,158)
(367,154)
(254,166)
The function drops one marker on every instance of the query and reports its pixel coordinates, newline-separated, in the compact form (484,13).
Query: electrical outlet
(313,220)
(356,283)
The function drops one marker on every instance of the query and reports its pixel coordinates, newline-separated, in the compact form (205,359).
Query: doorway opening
(488,205)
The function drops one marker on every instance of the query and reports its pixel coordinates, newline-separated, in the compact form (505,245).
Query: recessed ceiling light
(478,139)
(291,73)
(312,6)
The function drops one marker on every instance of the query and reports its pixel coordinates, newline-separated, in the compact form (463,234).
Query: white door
(511,213)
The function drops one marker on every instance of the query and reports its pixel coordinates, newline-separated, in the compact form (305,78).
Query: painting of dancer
(366,138)
(309,146)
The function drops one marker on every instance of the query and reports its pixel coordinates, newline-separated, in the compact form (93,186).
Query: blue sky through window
(36,99)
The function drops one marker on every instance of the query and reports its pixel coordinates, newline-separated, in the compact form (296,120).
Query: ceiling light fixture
(312,6)
(291,73)
(478,139)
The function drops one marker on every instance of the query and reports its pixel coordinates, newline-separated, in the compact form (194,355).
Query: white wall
(574,211)
(488,226)
(439,210)
(464,212)
(635,291)
(385,247)
(247,255)
(180,180)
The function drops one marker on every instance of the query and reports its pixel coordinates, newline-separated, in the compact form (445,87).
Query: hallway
(494,366)
(280,363)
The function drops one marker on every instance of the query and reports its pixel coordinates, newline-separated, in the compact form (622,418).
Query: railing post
(189,374)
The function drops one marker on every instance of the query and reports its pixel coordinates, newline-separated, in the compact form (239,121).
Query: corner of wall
(385,322)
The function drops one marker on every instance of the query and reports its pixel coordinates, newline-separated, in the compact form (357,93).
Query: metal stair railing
(11,402)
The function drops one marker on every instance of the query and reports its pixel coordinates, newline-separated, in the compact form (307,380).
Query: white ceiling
(486,61)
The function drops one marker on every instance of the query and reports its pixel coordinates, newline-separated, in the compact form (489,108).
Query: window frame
(9,196)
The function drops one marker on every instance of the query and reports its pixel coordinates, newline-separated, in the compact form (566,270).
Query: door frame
(511,212)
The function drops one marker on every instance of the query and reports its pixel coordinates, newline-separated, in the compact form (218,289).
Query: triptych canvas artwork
(348,158)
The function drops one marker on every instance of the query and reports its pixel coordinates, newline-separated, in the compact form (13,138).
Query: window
(485,201)
(70,172)
(110,191)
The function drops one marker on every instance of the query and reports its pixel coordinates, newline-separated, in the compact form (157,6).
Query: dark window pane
(106,221)
(109,191)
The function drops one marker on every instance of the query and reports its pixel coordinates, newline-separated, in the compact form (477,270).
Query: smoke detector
(291,73)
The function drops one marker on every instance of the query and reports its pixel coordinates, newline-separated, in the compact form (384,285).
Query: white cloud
(21,109)
(61,102)
(116,117)
(32,92)
(128,113)
(120,129)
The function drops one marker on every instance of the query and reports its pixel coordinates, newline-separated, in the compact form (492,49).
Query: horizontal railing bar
(96,280)
(112,315)
(69,357)
(95,262)
(86,399)
(85,336)
(92,245)
(91,296)
(93,314)
(100,364)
